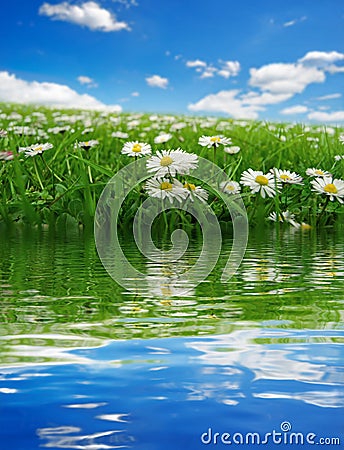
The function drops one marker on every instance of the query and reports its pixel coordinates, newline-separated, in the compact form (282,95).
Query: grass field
(61,183)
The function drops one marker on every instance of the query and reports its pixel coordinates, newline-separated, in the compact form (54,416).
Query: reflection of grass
(64,183)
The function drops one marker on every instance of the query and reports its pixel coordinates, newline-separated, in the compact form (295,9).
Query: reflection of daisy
(171,162)
(213,141)
(230,187)
(171,189)
(195,192)
(259,182)
(333,188)
(136,149)
(36,149)
(162,138)
(317,173)
(285,176)
(286,216)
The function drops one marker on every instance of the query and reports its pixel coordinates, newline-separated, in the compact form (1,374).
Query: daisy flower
(3,133)
(87,144)
(333,188)
(286,216)
(338,157)
(6,156)
(213,141)
(136,148)
(120,135)
(259,182)
(341,138)
(165,188)
(36,149)
(195,192)
(171,162)
(230,187)
(287,177)
(162,138)
(232,150)
(317,173)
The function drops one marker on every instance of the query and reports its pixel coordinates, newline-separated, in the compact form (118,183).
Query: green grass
(63,185)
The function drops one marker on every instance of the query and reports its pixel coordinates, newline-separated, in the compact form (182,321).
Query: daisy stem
(324,207)
(37,174)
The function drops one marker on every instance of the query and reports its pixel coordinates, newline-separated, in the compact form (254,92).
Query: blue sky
(266,59)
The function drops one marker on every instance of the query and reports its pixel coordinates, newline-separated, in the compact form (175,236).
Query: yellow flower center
(331,188)
(190,186)
(166,161)
(86,144)
(166,186)
(229,187)
(215,139)
(38,149)
(319,172)
(262,180)
(285,177)
(136,148)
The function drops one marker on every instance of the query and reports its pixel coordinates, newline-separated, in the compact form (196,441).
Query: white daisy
(213,141)
(165,188)
(232,150)
(338,157)
(171,162)
(341,138)
(265,184)
(162,138)
(334,188)
(230,187)
(287,177)
(120,135)
(36,149)
(195,192)
(136,148)
(3,133)
(87,144)
(317,173)
(6,156)
(286,216)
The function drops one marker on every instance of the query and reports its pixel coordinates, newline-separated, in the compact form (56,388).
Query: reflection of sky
(105,394)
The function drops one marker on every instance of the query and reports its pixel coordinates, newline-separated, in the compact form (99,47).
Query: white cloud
(157,81)
(16,90)
(264,98)
(229,69)
(294,21)
(88,14)
(280,78)
(135,94)
(334,116)
(329,97)
(209,72)
(228,103)
(297,109)
(196,63)
(321,59)
(84,80)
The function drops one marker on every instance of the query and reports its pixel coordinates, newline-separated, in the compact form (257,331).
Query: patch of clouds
(329,96)
(225,69)
(135,94)
(297,109)
(16,90)
(282,78)
(89,82)
(126,3)
(226,102)
(332,117)
(157,81)
(321,59)
(88,14)
(293,22)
